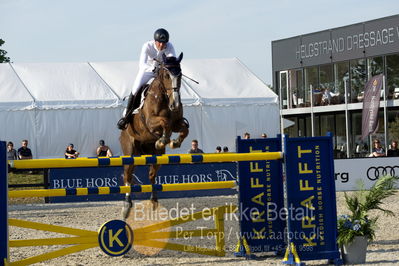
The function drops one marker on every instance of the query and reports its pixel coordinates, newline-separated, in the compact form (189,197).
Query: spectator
(378,150)
(393,151)
(24,152)
(70,153)
(264,135)
(11,152)
(225,149)
(103,150)
(218,149)
(194,147)
(247,136)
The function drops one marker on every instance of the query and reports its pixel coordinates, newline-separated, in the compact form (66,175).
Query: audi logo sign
(373,173)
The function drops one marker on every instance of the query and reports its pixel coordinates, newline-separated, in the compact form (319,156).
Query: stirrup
(122,123)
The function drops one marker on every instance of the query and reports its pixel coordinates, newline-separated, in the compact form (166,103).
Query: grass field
(26,177)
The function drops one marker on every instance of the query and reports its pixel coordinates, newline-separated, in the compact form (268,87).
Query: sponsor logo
(375,172)
(224,175)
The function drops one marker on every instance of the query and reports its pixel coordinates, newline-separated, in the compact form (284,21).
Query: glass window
(296,88)
(283,89)
(341,77)
(326,124)
(359,148)
(375,66)
(308,126)
(304,126)
(326,78)
(358,79)
(393,125)
(316,122)
(311,83)
(392,62)
(340,136)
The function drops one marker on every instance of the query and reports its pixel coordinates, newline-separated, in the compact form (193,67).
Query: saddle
(140,97)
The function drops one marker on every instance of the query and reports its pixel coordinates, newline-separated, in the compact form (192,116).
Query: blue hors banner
(312,222)
(261,197)
(168,174)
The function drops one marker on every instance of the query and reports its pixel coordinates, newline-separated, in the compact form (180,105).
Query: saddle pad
(142,97)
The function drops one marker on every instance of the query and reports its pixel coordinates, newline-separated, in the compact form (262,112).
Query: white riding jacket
(147,63)
(149,51)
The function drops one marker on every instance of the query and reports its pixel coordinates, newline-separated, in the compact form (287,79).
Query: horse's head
(170,74)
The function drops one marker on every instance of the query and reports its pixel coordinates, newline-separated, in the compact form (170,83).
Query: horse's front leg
(182,128)
(160,122)
(127,149)
(127,180)
(152,175)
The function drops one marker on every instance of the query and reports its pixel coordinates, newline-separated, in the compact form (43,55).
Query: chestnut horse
(149,130)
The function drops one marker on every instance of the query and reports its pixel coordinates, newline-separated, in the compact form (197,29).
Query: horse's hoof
(159,145)
(155,204)
(164,141)
(174,144)
(127,206)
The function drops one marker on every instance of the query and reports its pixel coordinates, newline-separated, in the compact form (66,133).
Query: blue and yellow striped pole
(145,160)
(118,190)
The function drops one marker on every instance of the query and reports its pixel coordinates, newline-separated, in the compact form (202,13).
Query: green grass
(26,177)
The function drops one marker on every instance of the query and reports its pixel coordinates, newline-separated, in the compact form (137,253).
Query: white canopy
(53,104)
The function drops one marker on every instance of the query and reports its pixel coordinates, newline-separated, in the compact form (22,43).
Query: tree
(3,57)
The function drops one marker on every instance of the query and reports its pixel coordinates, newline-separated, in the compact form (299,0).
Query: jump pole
(119,190)
(144,160)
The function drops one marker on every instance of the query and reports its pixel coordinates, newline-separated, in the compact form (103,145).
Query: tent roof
(105,84)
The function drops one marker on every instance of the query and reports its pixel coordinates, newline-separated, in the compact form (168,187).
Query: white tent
(53,104)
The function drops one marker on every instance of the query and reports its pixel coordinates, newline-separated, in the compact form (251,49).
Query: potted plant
(358,228)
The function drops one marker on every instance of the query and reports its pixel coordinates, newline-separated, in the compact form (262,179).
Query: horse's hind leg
(182,128)
(152,175)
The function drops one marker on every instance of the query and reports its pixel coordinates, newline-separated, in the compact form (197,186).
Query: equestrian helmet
(161,35)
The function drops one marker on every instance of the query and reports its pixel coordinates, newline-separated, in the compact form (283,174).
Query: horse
(149,131)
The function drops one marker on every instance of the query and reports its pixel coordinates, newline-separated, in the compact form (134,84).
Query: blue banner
(312,223)
(168,174)
(261,197)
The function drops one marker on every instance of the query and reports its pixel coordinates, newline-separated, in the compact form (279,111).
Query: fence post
(4,249)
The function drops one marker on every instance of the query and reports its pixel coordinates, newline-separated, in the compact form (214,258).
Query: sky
(103,30)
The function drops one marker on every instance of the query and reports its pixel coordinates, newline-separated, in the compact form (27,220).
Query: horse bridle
(176,89)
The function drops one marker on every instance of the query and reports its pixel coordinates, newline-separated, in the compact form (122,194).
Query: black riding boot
(122,123)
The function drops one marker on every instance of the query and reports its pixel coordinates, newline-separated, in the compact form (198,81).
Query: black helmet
(161,35)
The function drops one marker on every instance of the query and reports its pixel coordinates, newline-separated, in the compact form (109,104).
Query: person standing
(103,150)
(194,147)
(24,152)
(151,53)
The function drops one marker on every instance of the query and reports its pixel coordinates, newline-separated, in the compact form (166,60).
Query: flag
(371,104)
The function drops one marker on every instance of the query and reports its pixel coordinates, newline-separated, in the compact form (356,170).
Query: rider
(151,54)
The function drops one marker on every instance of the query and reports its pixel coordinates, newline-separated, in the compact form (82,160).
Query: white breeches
(142,78)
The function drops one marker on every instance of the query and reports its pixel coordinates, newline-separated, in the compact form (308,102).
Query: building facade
(320,79)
